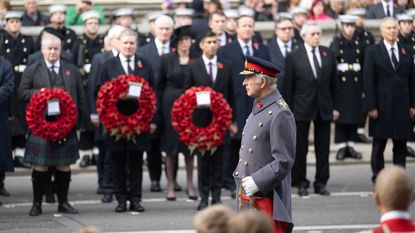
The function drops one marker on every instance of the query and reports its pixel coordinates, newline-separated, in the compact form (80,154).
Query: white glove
(249,186)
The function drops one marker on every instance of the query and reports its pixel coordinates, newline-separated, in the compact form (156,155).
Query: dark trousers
(86,140)
(209,169)
(377,160)
(230,161)
(104,168)
(154,160)
(2,178)
(345,133)
(322,148)
(134,175)
(18,141)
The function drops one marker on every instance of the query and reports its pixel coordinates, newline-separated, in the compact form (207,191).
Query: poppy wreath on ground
(62,124)
(207,138)
(117,124)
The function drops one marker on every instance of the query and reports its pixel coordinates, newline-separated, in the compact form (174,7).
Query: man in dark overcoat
(389,84)
(6,90)
(52,72)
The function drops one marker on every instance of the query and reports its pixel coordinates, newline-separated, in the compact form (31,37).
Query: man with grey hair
(53,72)
(153,51)
(389,83)
(32,16)
(266,156)
(309,88)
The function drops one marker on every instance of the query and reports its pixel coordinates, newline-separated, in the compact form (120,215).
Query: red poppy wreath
(58,128)
(119,125)
(202,138)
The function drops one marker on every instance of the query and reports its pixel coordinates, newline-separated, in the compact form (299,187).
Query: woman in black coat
(174,70)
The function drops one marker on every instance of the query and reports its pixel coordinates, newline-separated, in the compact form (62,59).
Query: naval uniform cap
(254,65)
(411,12)
(89,15)
(298,10)
(231,13)
(184,12)
(13,15)
(287,15)
(348,19)
(57,8)
(403,17)
(357,11)
(124,12)
(153,15)
(244,11)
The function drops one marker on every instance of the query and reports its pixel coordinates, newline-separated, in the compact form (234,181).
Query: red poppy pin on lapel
(256,45)
(220,65)
(403,51)
(68,73)
(173,49)
(259,104)
(325,53)
(229,40)
(139,64)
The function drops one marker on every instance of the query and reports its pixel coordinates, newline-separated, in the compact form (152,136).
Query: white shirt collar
(57,64)
(159,44)
(395,214)
(243,44)
(206,60)
(389,46)
(124,59)
(281,44)
(309,48)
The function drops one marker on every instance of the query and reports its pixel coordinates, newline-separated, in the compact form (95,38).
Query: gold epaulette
(282,104)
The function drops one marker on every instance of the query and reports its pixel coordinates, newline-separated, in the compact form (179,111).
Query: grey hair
(164,19)
(344,1)
(386,19)
(270,80)
(306,27)
(48,38)
(128,32)
(113,33)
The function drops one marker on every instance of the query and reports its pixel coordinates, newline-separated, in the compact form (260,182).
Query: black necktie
(316,64)
(211,71)
(247,51)
(286,50)
(130,71)
(388,12)
(53,74)
(394,60)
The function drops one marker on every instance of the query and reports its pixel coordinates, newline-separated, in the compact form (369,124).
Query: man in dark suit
(52,72)
(309,88)
(217,25)
(152,51)
(127,62)
(389,84)
(236,52)
(212,71)
(32,16)
(281,44)
(385,8)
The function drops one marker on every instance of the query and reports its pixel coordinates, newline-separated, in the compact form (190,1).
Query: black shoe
(3,192)
(322,192)
(233,194)
(100,191)
(361,138)
(341,153)
(121,207)
(67,208)
(352,153)
(36,209)
(302,191)
(85,161)
(107,198)
(202,206)
(155,186)
(177,187)
(216,202)
(136,206)
(410,152)
(18,162)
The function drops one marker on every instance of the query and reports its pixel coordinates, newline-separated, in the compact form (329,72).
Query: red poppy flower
(51,130)
(325,53)
(259,104)
(139,64)
(256,45)
(68,73)
(220,65)
(202,138)
(403,51)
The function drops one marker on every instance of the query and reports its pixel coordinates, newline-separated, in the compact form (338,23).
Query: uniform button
(344,79)
(69,41)
(254,137)
(367,42)
(243,133)
(250,150)
(24,59)
(350,67)
(356,42)
(24,49)
(236,173)
(246,163)
(342,60)
(16,68)
(7,50)
(356,79)
(357,51)
(260,124)
(270,113)
(357,59)
(242,146)
(86,60)
(6,41)
(240,160)
(84,41)
(246,120)
(23,40)
(341,51)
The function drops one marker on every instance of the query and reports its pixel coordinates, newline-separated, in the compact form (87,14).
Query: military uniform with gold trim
(349,91)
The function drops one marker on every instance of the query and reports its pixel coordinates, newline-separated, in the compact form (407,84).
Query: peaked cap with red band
(254,65)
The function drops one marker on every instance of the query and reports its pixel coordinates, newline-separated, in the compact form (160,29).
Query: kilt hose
(45,153)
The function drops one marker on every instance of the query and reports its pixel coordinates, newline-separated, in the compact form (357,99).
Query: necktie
(316,64)
(130,71)
(247,51)
(53,74)
(163,48)
(286,50)
(388,12)
(210,64)
(394,60)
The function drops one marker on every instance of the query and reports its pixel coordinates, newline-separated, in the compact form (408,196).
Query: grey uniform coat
(267,152)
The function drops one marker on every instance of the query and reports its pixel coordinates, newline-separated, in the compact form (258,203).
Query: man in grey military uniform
(267,152)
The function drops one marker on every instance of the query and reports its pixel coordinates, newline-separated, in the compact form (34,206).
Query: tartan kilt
(45,153)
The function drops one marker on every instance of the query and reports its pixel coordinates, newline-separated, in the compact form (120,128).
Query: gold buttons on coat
(254,138)
(260,124)
(250,150)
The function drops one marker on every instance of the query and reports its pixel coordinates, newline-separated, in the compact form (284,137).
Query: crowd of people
(300,82)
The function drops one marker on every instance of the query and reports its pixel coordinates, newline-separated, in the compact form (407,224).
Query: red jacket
(395,221)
